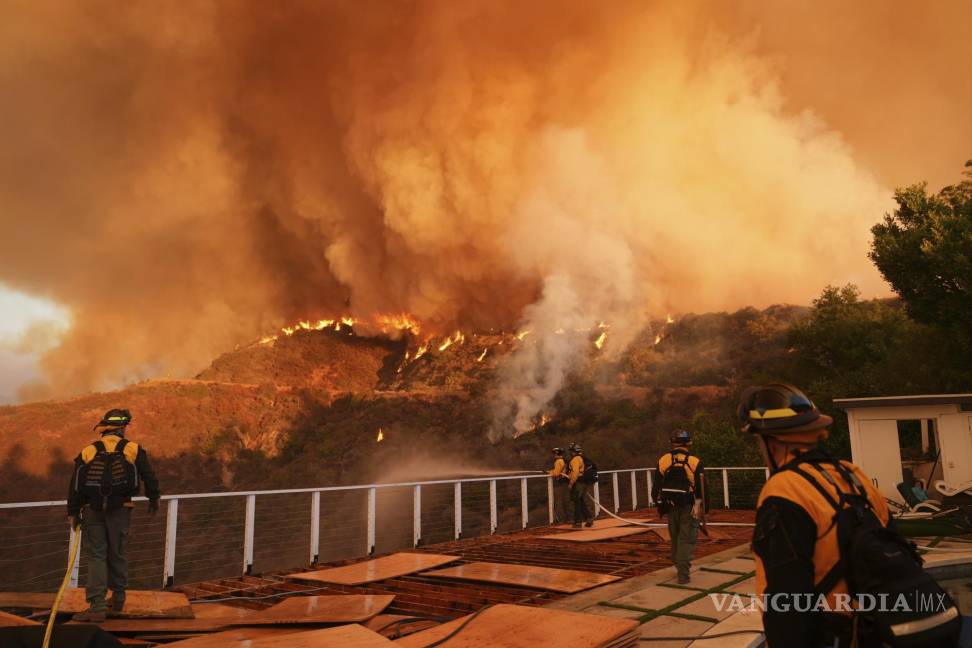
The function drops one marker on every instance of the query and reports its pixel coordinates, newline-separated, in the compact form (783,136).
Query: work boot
(575,525)
(683,579)
(117,606)
(589,523)
(90,616)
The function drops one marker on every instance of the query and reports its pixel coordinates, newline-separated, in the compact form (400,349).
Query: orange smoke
(185,177)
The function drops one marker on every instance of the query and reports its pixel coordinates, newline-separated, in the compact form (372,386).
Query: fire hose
(598,506)
(75,545)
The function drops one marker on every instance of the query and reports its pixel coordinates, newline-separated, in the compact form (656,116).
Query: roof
(904,401)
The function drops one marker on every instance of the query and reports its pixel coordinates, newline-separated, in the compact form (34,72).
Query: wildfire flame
(458,338)
(381,436)
(669,320)
(544,419)
(599,342)
(482,355)
(522,334)
(400,322)
(421,350)
(658,338)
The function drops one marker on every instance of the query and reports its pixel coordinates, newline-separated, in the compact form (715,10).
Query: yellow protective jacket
(576,468)
(694,472)
(133,453)
(794,488)
(558,467)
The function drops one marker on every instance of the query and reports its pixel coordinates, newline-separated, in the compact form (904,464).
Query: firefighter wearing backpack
(581,478)
(106,475)
(823,532)
(680,493)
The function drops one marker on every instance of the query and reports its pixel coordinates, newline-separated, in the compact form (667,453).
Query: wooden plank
(147,625)
(346,636)
(568,581)
(10,620)
(219,611)
(138,603)
(593,535)
(341,608)
(516,626)
(234,637)
(607,523)
(379,569)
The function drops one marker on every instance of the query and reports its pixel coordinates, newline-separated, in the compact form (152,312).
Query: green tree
(924,250)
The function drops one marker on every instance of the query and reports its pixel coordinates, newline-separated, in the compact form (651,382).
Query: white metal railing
(611,477)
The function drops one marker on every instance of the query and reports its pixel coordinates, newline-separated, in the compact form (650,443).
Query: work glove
(153,506)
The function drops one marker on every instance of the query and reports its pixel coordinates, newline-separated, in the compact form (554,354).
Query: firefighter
(580,487)
(795,539)
(107,473)
(561,485)
(680,493)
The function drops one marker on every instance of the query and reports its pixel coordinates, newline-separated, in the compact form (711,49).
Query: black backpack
(108,474)
(877,561)
(589,476)
(676,477)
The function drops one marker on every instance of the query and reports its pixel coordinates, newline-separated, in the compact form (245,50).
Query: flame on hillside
(381,436)
(599,342)
(483,354)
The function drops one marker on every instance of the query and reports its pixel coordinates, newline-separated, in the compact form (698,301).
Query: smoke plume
(184,177)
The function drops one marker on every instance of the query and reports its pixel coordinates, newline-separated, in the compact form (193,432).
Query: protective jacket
(558,468)
(796,550)
(694,471)
(134,454)
(575,468)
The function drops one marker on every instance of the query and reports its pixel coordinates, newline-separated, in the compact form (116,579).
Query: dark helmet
(576,449)
(115,418)
(683,437)
(780,409)
(558,451)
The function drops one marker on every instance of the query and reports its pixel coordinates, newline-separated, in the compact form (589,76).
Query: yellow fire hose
(75,545)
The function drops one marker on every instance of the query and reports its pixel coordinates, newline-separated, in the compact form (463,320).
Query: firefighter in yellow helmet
(797,552)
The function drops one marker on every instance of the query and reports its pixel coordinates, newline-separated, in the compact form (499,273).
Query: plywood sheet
(568,581)
(166,625)
(219,611)
(138,603)
(346,636)
(378,569)
(347,608)
(234,637)
(515,626)
(593,535)
(386,626)
(664,534)
(606,523)
(10,620)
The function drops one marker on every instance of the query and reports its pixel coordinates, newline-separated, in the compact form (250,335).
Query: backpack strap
(99,446)
(120,448)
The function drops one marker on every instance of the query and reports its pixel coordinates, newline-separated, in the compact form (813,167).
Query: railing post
(74,570)
(725,488)
(634,490)
(416,515)
(492,506)
(171,531)
(767,473)
(248,534)
(524,505)
(614,486)
(457,512)
(550,500)
(315,537)
(651,502)
(597,499)
(371,521)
